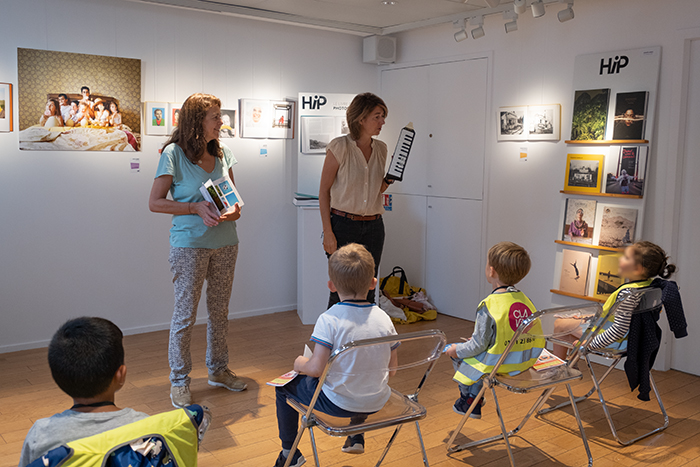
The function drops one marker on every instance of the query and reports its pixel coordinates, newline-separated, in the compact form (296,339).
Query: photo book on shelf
(590,115)
(221,194)
(584,172)
(625,174)
(574,271)
(607,278)
(617,226)
(579,220)
(630,115)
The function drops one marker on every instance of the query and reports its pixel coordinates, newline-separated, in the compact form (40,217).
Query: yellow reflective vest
(508,310)
(613,298)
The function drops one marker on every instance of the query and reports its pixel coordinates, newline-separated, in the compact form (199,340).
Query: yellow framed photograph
(584,173)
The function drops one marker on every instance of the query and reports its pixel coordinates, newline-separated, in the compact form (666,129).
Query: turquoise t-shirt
(189,231)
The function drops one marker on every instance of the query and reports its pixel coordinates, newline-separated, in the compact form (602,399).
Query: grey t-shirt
(49,433)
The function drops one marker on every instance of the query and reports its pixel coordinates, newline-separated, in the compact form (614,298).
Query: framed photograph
(156,115)
(316,133)
(544,122)
(78,102)
(282,119)
(256,118)
(228,129)
(512,123)
(5,107)
(173,116)
(584,173)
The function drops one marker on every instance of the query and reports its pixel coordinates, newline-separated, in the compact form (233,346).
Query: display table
(312,265)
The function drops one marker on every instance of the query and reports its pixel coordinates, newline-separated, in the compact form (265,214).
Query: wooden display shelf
(574,295)
(592,247)
(607,142)
(609,195)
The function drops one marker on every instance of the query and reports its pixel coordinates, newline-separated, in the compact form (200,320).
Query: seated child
(497,318)
(351,271)
(83,118)
(639,265)
(86,358)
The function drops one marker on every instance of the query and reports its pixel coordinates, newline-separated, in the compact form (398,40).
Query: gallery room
(400,233)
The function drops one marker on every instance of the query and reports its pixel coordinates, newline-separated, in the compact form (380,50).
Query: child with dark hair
(86,357)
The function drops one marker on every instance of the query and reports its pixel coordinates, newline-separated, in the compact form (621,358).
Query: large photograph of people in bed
(78,102)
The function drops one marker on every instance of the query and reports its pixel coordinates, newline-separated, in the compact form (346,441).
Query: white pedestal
(312,265)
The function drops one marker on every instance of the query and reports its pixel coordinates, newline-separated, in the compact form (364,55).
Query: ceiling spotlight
(460,35)
(512,24)
(537,8)
(566,14)
(520,6)
(493,3)
(478,31)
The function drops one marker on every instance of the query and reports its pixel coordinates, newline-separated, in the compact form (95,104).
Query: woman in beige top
(352,183)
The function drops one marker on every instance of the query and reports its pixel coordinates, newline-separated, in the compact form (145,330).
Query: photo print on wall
(630,115)
(544,122)
(512,123)
(584,172)
(157,122)
(6,107)
(228,128)
(617,226)
(174,113)
(283,119)
(95,107)
(579,220)
(590,115)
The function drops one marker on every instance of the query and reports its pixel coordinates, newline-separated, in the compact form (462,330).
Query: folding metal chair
(539,326)
(417,350)
(650,302)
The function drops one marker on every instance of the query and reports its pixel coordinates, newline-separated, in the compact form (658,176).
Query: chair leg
(584,439)
(503,427)
(388,445)
(464,420)
(313,445)
(296,444)
(422,446)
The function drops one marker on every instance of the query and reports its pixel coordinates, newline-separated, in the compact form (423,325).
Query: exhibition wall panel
(83,242)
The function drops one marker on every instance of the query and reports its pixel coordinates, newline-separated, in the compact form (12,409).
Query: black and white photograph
(543,122)
(228,129)
(511,123)
(316,133)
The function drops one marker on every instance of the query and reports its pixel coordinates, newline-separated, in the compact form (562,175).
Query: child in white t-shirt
(357,386)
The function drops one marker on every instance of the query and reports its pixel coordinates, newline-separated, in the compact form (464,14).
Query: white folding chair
(416,351)
(539,326)
(650,302)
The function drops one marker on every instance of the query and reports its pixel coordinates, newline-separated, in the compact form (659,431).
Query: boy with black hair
(86,357)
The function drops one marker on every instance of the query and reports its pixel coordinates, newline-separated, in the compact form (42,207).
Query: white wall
(76,236)
(535,65)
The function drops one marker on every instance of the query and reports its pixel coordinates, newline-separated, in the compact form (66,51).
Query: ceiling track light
(566,14)
(460,35)
(478,31)
(537,8)
(512,24)
(520,6)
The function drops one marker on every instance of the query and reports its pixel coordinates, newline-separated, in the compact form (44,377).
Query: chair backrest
(369,359)
(547,325)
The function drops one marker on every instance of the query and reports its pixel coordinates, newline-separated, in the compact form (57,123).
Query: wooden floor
(244,431)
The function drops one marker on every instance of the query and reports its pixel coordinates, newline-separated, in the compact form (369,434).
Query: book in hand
(284,379)
(221,194)
(547,360)
(401,153)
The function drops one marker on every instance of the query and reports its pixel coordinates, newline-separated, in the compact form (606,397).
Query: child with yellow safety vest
(638,266)
(497,318)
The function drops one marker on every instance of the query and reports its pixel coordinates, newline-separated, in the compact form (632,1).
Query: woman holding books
(352,183)
(203,243)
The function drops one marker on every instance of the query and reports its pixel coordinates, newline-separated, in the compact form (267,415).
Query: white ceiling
(363,17)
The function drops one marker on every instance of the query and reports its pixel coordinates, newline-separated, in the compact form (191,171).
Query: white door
(685,351)
(405,242)
(453,255)
(405,92)
(457,129)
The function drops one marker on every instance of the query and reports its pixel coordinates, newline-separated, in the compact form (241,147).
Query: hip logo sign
(518,313)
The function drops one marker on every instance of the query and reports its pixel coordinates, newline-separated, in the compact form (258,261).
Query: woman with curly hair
(203,244)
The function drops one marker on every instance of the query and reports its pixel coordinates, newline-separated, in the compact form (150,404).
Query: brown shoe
(227,379)
(180,396)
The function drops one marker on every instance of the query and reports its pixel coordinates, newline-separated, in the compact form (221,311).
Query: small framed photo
(512,123)
(156,115)
(173,116)
(283,120)
(544,122)
(6,111)
(228,129)
(256,118)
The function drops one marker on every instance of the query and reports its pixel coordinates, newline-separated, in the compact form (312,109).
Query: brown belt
(355,217)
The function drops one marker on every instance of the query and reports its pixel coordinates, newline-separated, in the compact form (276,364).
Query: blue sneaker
(297,460)
(463,403)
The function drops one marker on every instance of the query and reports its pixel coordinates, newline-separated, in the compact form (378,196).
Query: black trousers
(370,234)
